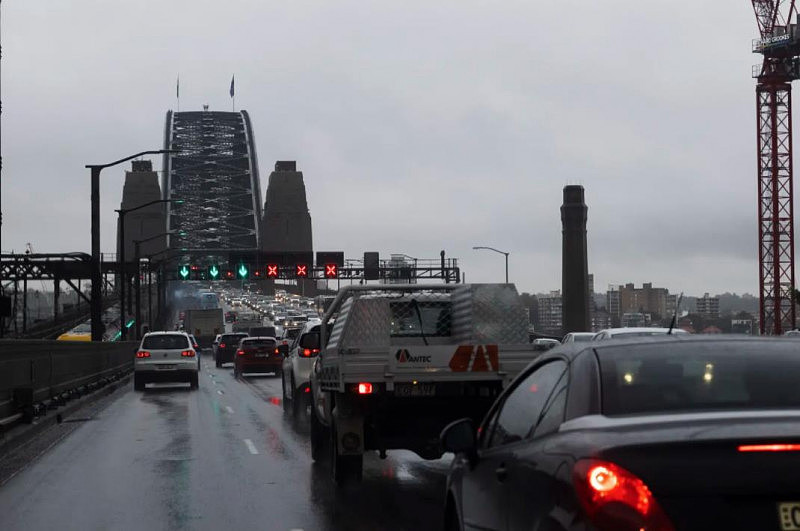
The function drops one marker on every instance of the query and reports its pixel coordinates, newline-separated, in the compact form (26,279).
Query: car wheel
(300,402)
(344,468)
(218,363)
(319,438)
(236,372)
(194,381)
(138,382)
(287,402)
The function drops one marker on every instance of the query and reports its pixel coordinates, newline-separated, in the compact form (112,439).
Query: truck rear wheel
(345,468)
(319,438)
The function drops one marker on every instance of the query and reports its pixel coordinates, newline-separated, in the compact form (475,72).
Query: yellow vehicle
(82,332)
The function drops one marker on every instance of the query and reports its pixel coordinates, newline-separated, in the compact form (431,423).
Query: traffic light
(331,270)
(213,272)
(242,271)
(272,270)
(229,274)
(301,270)
(184,271)
(257,273)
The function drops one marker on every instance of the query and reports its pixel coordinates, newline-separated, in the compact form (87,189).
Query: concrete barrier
(34,371)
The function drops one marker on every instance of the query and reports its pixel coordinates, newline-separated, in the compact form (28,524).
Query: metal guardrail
(37,372)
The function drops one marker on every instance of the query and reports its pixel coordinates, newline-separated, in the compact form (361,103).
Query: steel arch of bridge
(215,173)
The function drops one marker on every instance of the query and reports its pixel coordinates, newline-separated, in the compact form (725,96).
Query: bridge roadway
(222,457)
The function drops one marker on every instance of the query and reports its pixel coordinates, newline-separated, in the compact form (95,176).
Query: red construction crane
(780,46)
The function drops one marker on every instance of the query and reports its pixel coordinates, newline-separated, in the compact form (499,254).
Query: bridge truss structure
(215,174)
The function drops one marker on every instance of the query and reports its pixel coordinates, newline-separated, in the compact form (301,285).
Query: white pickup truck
(400,362)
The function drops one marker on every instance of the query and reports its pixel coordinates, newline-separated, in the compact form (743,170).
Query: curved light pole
(121,257)
(497,251)
(96,273)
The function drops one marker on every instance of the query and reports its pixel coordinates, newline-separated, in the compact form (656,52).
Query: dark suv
(226,350)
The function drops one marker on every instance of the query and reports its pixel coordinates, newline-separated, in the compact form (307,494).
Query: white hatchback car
(165,357)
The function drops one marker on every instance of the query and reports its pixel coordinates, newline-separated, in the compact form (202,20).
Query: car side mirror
(459,438)
(310,340)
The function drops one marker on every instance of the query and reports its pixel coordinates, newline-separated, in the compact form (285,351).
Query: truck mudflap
(348,423)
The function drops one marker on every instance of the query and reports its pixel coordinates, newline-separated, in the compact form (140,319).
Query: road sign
(242,271)
(213,272)
(184,272)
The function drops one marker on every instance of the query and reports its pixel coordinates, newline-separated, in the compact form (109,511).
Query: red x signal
(272,270)
(301,270)
(228,274)
(331,271)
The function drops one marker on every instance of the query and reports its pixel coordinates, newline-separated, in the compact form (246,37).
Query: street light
(121,257)
(497,251)
(137,280)
(96,273)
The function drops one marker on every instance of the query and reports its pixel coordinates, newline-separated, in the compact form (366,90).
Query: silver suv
(165,357)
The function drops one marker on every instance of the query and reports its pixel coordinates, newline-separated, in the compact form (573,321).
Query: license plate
(261,354)
(415,390)
(165,367)
(789,513)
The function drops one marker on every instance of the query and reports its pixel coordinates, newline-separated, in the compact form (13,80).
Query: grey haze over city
(419,126)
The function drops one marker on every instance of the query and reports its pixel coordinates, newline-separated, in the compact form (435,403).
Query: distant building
(742,326)
(550,307)
(601,320)
(708,306)
(612,305)
(646,299)
(634,319)
(590,303)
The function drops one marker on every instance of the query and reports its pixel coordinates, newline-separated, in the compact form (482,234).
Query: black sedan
(648,434)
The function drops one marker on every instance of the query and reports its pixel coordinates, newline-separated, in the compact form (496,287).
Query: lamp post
(137,280)
(497,251)
(96,273)
(121,257)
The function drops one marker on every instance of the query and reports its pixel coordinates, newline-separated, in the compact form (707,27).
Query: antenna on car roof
(675,314)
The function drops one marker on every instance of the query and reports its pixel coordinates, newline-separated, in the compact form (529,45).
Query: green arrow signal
(184,272)
(214,271)
(242,271)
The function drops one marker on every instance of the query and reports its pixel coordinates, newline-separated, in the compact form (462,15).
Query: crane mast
(780,46)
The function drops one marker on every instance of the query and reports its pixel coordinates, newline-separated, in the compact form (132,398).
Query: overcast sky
(418,125)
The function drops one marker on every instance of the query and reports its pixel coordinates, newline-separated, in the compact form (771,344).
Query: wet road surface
(222,457)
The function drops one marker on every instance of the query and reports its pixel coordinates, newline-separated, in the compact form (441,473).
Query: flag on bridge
(232,86)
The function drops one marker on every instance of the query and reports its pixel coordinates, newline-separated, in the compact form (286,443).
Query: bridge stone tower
(141,186)
(286,225)
(574,262)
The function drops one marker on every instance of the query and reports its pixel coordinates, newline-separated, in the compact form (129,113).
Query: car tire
(300,402)
(287,402)
(344,468)
(319,439)
(236,373)
(218,363)
(451,521)
(194,381)
(138,382)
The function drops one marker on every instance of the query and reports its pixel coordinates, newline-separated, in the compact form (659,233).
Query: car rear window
(292,333)
(232,338)
(161,342)
(258,343)
(698,376)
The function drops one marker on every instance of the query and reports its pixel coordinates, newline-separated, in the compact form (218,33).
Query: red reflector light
(308,352)
(222,345)
(142,354)
(602,486)
(364,388)
(307,390)
(769,448)
(240,352)
(188,353)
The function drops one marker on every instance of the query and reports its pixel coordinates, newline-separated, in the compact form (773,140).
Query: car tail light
(188,353)
(240,352)
(308,352)
(364,388)
(769,448)
(142,354)
(222,345)
(196,347)
(615,499)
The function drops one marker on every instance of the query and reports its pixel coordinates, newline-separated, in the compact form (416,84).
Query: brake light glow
(769,448)
(277,351)
(240,352)
(188,353)
(602,486)
(308,352)
(222,345)
(364,388)
(142,354)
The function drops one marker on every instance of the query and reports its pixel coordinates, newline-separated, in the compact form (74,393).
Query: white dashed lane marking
(229,409)
(251,446)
